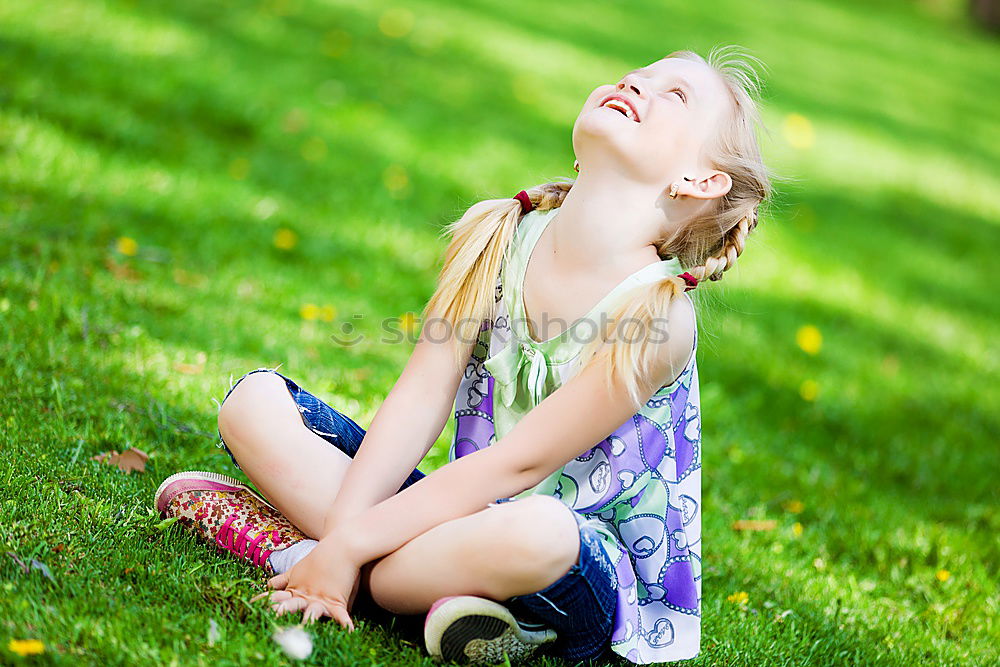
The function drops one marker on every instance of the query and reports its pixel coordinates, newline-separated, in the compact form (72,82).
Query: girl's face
(674,107)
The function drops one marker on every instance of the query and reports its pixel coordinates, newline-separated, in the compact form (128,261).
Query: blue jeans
(579,606)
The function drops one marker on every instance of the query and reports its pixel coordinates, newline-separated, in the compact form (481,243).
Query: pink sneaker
(227,513)
(466,628)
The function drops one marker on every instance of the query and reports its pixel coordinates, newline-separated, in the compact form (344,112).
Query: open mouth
(621,107)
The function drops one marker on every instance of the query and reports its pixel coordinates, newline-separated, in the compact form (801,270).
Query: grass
(151,153)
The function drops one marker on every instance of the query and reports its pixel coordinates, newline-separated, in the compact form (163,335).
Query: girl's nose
(631,84)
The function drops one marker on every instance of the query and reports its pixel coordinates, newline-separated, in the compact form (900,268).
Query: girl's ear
(715,184)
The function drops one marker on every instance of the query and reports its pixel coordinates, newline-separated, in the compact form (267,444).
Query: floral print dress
(640,487)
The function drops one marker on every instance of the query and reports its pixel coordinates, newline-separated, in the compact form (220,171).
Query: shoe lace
(244,544)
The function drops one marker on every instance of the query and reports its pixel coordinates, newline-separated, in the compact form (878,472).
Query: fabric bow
(506,368)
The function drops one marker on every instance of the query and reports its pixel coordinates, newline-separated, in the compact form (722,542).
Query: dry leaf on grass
(129,460)
(123,270)
(32,565)
(755,524)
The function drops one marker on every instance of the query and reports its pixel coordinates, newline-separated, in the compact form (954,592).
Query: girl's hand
(324,583)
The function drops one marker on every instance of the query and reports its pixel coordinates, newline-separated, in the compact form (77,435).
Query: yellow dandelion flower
(740,597)
(396,22)
(794,506)
(809,339)
(328,313)
(309,311)
(127,246)
(799,131)
(809,390)
(797,529)
(285,239)
(25,647)
(943,575)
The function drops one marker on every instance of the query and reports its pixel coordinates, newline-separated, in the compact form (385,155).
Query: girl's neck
(606,224)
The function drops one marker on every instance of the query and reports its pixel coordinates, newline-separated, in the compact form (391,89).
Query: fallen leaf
(122,270)
(32,565)
(38,565)
(129,460)
(755,524)
(19,562)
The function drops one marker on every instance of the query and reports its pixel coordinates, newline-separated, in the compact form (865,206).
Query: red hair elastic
(525,200)
(690,280)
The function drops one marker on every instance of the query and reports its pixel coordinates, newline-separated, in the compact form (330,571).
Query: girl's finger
(291,605)
(260,595)
(278,596)
(278,581)
(313,612)
(340,615)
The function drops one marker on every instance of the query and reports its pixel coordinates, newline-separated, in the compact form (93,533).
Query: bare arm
(567,423)
(404,428)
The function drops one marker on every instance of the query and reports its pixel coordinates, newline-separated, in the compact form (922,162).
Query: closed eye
(680,93)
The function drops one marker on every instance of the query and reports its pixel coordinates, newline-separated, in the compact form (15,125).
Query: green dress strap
(522,371)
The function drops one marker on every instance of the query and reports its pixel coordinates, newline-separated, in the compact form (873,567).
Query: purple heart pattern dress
(640,487)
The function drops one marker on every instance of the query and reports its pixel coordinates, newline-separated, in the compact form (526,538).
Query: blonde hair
(705,246)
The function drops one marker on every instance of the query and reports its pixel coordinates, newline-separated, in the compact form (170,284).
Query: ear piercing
(676,186)
(576,165)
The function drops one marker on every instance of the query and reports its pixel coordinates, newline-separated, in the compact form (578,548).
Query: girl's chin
(600,126)
(609,116)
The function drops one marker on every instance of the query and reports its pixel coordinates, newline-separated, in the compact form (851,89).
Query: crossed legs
(514,548)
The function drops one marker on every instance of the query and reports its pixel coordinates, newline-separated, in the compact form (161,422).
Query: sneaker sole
(195,480)
(466,628)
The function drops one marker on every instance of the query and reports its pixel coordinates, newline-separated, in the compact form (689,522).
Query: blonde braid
(733,243)
(549,195)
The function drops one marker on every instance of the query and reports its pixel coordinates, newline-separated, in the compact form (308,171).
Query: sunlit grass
(194,190)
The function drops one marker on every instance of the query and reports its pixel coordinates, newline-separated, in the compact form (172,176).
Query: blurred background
(190,190)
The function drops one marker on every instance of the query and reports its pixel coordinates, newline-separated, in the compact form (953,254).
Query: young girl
(532,536)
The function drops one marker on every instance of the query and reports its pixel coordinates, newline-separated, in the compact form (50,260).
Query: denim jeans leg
(580,605)
(328,423)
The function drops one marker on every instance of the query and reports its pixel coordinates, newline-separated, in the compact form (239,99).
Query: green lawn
(189,190)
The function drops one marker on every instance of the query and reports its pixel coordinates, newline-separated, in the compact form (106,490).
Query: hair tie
(526,205)
(689,280)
